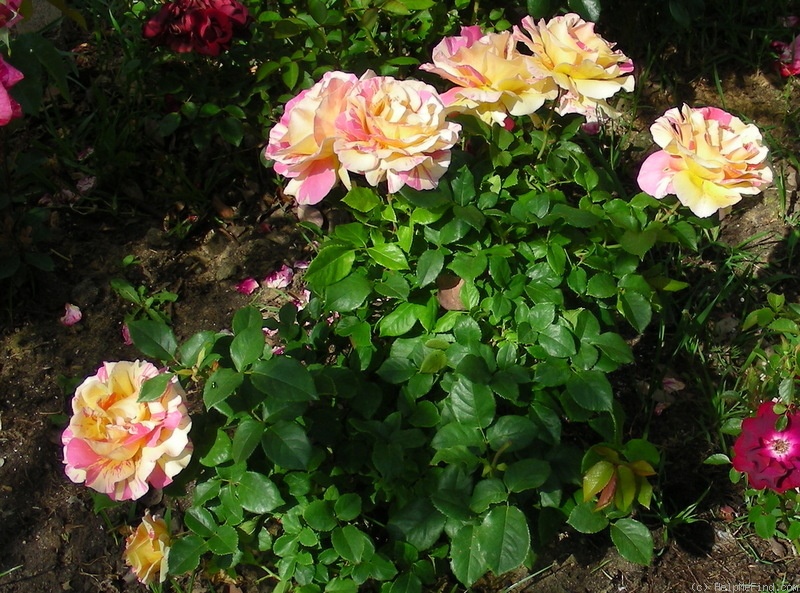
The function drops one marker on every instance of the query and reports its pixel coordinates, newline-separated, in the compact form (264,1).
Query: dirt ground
(50,538)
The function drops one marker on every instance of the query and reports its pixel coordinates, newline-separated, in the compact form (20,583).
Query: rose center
(780,446)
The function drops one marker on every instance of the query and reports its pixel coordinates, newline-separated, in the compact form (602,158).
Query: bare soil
(50,538)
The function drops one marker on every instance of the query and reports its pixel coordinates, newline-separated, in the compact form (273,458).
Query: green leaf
(220,451)
(348,294)
(352,544)
(154,388)
(526,475)
(633,541)
(231,130)
(258,494)
(557,341)
(467,559)
(224,541)
(330,265)
(220,386)
(154,339)
(418,523)
(284,378)
(591,390)
(287,445)
(613,346)
(399,321)
(429,266)
(347,507)
(184,554)
(504,539)
(717,459)
(463,186)
(362,199)
(487,493)
(511,433)
(407,582)
(200,520)
(636,309)
(246,439)
(245,318)
(585,519)
(247,347)
(389,256)
(319,515)
(472,403)
(601,286)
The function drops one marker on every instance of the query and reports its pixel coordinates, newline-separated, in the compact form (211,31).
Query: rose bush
(147,549)
(120,446)
(770,457)
(493,77)
(709,159)
(204,26)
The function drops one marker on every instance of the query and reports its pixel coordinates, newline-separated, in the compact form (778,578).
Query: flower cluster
(378,126)
(203,26)
(564,60)
(119,445)
(395,130)
(709,159)
(147,550)
(769,457)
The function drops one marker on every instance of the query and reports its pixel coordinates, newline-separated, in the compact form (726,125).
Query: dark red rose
(204,26)
(770,458)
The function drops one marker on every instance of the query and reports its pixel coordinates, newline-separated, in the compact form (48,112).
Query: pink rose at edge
(301,143)
(771,459)
(788,62)
(9,108)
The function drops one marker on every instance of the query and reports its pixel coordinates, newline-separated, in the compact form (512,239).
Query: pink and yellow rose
(395,130)
(492,77)
(583,64)
(301,143)
(120,446)
(147,550)
(709,159)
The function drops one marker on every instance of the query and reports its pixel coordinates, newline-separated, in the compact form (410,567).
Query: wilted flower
(583,64)
(301,143)
(9,108)
(493,78)
(247,286)
(709,159)
(204,26)
(147,550)
(395,130)
(769,457)
(788,62)
(72,315)
(118,445)
(280,278)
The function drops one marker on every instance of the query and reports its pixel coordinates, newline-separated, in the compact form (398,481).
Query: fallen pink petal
(72,315)
(279,278)
(126,335)
(247,286)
